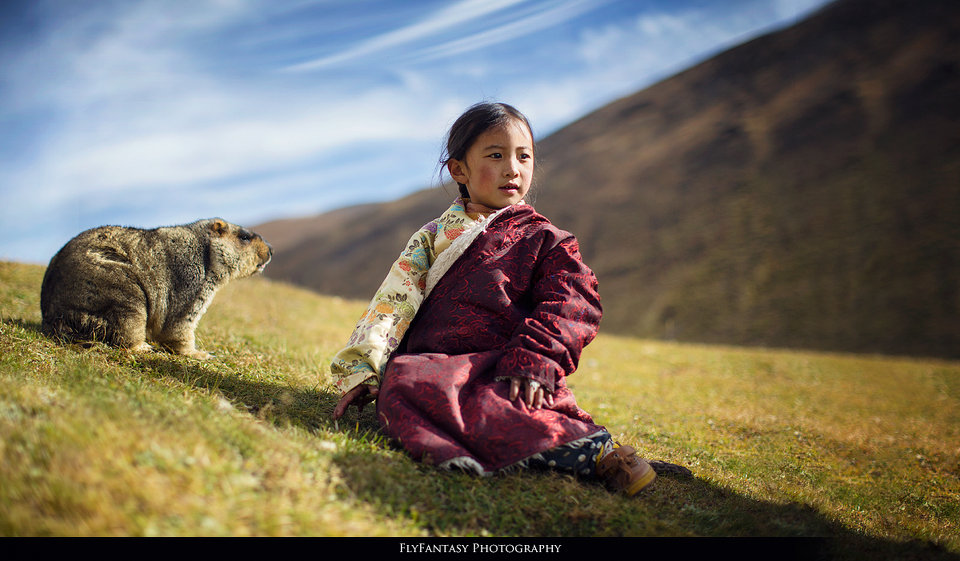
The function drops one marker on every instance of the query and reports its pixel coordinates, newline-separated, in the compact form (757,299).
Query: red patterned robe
(518,302)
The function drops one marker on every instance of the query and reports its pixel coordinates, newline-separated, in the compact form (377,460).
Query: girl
(468,341)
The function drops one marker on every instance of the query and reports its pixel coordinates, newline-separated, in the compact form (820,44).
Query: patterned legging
(578,457)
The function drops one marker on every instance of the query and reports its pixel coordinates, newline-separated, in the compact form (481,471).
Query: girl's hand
(533,393)
(358,397)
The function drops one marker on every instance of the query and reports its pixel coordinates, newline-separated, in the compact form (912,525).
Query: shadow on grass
(282,404)
(529,504)
(547,504)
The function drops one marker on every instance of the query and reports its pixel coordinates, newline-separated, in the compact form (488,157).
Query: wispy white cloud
(140,112)
(443,20)
(624,56)
(154,112)
(544,17)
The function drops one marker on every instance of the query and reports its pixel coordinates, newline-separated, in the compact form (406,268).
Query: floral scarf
(427,256)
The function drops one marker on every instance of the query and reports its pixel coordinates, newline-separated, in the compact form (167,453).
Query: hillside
(95,441)
(799,190)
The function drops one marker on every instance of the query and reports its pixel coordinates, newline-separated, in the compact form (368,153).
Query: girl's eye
(496,155)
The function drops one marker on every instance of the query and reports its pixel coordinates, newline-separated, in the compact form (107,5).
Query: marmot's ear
(219,227)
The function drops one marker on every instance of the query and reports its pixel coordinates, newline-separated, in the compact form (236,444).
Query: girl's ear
(457,171)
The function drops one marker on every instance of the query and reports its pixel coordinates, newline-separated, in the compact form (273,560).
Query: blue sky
(149,113)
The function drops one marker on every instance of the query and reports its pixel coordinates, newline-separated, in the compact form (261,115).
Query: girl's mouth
(510,187)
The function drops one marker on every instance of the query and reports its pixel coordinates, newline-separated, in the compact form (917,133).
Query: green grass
(96,441)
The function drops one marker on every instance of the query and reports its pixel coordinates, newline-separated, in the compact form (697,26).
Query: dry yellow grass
(96,441)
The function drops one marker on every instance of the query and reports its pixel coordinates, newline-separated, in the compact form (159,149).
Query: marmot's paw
(199,355)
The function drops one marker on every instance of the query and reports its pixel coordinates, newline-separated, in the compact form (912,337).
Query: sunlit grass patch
(100,441)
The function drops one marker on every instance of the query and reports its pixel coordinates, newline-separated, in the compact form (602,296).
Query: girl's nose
(512,170)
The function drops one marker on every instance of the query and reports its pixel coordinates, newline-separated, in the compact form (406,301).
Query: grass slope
(96,441)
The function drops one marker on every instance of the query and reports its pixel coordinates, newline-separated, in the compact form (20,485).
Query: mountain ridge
(798,190)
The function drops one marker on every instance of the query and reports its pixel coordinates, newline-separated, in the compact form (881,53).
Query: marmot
(127,286)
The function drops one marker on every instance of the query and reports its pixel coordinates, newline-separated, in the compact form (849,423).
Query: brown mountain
(799,190)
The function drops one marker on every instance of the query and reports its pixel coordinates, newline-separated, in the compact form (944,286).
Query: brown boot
(623,471)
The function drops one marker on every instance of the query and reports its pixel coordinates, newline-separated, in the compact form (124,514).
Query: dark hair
(475,121)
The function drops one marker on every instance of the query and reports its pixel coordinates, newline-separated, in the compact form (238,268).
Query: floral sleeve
(380,329)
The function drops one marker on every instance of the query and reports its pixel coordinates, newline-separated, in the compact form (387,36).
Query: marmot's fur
(127,286)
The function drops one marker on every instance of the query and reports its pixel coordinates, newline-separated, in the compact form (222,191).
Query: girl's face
(498,167)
